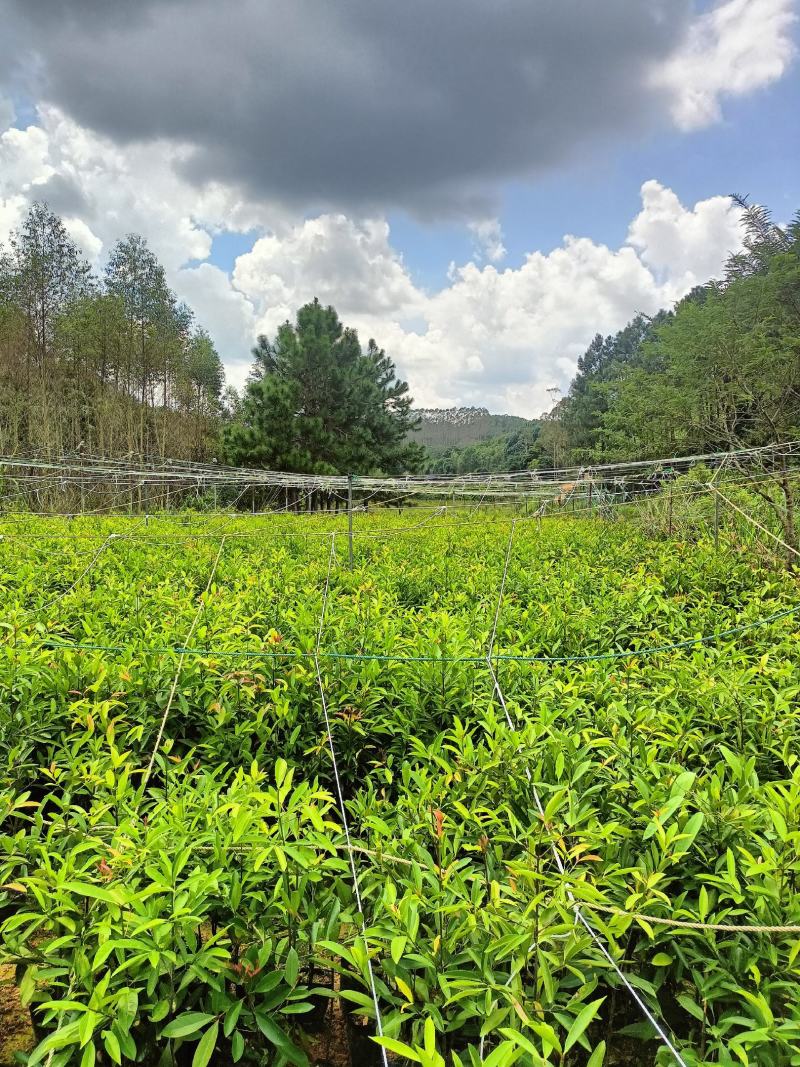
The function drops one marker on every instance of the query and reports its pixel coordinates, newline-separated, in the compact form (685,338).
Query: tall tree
(111,365)
(200,389)
(137,279)
(43,274)
(316,402)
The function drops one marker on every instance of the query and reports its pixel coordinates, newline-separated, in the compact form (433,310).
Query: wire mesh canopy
(83,469)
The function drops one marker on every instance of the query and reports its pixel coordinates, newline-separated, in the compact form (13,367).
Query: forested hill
(718,372)
(461,440)
(444,428)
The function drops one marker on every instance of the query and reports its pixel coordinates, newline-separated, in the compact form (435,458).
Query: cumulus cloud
(683,248)
(738,46)
(227,314)
(103,192)
(488,234)
(362,106)
(499,337)
(349,264)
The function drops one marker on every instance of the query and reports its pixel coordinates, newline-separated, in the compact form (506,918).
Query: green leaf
(397,947)
(272,1032)
(237,1046)
(502,1056)
(187,1024)
(112,1046)
(232,1017)
(689,1005)
(95,892)
(280,770)
(399,1048)
(661,959)
(88,1057)
(267,982)
(205,1046)
(521,1041)
(582,1020)
(689,833)
(160,1011)
(597,1057)
(430,1036)
(292,967)
(60,1038)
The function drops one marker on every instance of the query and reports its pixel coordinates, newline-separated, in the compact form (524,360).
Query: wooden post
(716,520)
(350,519)
(590,497)
(670,511)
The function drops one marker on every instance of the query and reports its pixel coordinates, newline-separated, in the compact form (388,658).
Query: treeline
(721,371)
(111,364)
(507,452)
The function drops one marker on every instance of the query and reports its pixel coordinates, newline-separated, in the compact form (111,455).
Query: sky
(480,187)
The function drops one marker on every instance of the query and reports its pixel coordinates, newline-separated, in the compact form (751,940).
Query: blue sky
(755,151)
(422,183)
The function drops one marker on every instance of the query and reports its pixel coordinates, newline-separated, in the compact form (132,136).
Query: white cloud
(115,190)
(88,242)
(224,311)
(499,338)
(737,47)
(488,234)
(12,212)
(24,159)
(491,336)
(683,247)
(345,263)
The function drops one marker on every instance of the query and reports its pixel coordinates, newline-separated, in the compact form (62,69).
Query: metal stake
(716,520)
(350,519)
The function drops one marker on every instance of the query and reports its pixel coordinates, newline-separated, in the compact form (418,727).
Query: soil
(330,1047)
(16,1032)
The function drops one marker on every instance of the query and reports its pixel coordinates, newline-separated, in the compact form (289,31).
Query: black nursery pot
(313,1022)
(360,1032)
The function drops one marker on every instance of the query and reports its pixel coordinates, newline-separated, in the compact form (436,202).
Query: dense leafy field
(205,911)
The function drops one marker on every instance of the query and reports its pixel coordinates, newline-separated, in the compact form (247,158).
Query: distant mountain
(445,428)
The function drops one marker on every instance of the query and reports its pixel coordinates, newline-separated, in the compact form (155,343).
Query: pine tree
(316,402)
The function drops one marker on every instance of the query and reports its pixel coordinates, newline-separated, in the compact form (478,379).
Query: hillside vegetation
(720,371)
(462,440)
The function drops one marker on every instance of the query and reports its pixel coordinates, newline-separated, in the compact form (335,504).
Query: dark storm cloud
(63,196)
(357,104)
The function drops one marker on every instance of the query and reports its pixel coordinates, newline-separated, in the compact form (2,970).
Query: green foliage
(718,372)
(113,366)
(465,440)
(508,452)
(317,403)
(204,917)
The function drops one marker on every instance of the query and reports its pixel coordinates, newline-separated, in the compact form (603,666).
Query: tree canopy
(114,364)
(316,402)
(720,371)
